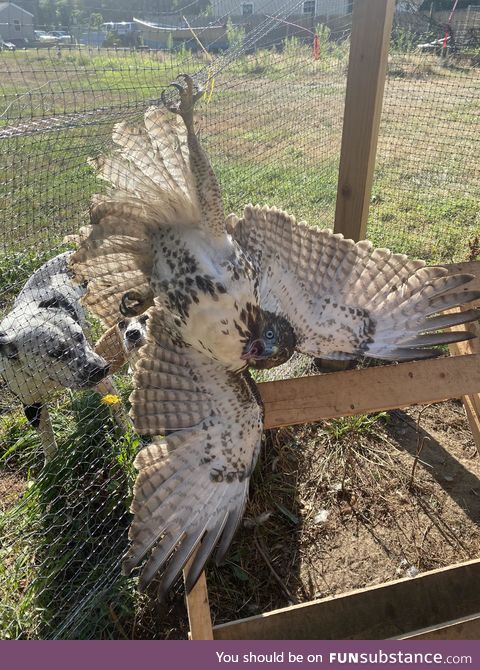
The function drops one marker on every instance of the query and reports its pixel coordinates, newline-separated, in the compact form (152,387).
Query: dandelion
(110,399)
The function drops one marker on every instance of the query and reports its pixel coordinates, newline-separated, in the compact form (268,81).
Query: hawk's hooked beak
(258,350)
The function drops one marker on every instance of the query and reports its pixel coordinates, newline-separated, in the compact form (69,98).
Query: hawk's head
(272,342)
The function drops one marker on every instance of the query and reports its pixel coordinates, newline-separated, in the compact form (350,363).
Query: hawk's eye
(269,334)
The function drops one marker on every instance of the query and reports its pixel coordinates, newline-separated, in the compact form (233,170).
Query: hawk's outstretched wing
(192,485)
(151,186)
(347,299)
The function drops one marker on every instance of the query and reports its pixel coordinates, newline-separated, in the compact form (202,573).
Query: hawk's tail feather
(109,347)
(113,258)
(159,155)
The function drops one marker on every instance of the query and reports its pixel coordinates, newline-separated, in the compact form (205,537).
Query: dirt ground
(11,488)
(397,526)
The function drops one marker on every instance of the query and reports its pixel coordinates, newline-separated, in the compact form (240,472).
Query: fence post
(371,29)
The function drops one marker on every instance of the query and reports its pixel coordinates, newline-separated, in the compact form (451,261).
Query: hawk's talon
(187,96)
(171,106)
(134,302)
(190,84)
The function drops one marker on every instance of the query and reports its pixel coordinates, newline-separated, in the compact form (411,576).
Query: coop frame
(438,604)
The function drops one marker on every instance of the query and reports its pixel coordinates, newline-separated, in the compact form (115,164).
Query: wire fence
(271,122)
(427,180)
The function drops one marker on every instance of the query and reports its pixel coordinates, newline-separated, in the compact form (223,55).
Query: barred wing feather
(347,299)
(192,485)
(151,186)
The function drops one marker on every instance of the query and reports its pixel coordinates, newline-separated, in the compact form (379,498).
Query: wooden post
(198,608)
(471,402)
(371,28)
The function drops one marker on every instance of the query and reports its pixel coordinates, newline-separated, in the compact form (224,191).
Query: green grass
(305,193)
(430,226)
(35,85)
(63,538)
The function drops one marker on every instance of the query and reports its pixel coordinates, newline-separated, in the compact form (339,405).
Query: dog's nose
(133,335)
(96,373)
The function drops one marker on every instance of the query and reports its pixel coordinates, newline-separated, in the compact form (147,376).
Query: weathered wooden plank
(371,28)
(389,610)
(311,399)
(465,628)
(198,608)
(471,402)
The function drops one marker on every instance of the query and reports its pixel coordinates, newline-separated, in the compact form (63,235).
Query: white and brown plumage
(228,294)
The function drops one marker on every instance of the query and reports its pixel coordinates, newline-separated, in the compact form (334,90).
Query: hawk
(225,294)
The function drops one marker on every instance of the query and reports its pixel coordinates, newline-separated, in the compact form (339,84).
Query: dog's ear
(8,347)
(59,302)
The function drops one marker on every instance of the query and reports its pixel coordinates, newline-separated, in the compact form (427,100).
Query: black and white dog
(43,347)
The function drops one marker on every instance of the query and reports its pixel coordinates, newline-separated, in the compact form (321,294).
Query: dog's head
(44,345)
(133,332)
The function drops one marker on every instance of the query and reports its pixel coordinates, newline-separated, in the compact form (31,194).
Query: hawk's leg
(188,96)
(208,190)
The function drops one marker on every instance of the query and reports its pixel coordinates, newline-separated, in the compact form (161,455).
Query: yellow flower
(110,399)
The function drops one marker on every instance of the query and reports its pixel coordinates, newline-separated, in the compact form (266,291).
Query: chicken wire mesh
(271,122)
(426,186)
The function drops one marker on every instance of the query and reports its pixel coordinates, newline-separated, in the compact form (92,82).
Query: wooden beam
(465,628)
(198,608)
(471,402)
(311,399)
(389,610)
(371,28)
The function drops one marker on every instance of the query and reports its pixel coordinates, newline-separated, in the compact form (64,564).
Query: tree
(47,13)
(95,21)
(65,9)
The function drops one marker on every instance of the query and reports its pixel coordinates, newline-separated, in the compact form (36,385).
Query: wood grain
(390,610)
(371,28)
(311,399)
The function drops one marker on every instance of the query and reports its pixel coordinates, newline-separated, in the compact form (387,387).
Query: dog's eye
(78,337)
